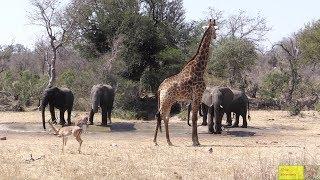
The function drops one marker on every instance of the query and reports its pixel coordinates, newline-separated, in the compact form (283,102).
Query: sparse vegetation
(131,154)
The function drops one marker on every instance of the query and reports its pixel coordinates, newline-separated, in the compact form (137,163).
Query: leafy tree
(232,57)
(98,23)
(237,48)
(309,43)
(155,36)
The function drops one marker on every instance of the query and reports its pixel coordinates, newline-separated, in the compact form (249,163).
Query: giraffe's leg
(195,108)
(158,119)
(166,123)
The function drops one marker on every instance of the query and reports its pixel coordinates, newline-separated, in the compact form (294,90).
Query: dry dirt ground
(126,151)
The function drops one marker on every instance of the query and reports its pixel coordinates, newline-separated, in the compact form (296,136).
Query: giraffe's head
(213,27)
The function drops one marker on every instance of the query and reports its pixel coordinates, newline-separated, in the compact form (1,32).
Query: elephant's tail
(158,116)
(249,117)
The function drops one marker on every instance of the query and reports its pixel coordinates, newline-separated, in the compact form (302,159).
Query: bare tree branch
(47,14)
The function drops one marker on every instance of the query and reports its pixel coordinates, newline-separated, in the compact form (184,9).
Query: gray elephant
(215,102)
(61,99)
(239,106)
(102,96)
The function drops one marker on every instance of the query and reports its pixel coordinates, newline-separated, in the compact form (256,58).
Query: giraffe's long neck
(203,51)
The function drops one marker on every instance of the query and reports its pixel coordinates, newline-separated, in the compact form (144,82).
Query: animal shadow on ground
(241,133)
(122,127)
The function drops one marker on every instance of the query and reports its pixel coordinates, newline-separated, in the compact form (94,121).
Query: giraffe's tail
(158,116)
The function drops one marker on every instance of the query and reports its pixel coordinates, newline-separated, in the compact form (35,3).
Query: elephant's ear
(207,98)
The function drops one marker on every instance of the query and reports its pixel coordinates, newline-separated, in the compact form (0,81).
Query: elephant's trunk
(95,99)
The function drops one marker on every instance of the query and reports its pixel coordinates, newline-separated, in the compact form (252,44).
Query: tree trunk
(293,82)
(52,70)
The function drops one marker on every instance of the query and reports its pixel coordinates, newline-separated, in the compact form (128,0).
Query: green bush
(6,81)
(68,78)
(26,86)
(273,85)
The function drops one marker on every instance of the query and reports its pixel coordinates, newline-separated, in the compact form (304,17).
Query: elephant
(60,98)
(239,106)
(215,102)
(102,96)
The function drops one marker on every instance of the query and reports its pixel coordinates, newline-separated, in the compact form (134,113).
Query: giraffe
(188,85)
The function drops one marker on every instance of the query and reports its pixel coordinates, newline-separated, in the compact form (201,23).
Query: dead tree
(46,14)
(292,55)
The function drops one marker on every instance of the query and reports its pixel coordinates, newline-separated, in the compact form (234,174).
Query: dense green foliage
(273,85)
(26,86)
(309,39)
(231,58)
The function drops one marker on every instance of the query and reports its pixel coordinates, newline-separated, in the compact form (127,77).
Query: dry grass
(278,139)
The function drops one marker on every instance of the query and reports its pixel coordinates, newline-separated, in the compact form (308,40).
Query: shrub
(26,86)
(294,109)
(127,95)
(273,85)
(68,78)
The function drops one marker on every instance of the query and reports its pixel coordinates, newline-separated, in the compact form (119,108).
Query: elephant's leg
(104,114)
(204,115)
(53,115)
(229,120)
(195,108)
(236,123)
(109,114)
(62,121)
(91,117)
(217,124)
(69,117)
(210,120)
(244,118)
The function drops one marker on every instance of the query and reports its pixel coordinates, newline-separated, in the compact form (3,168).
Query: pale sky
(284,16)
